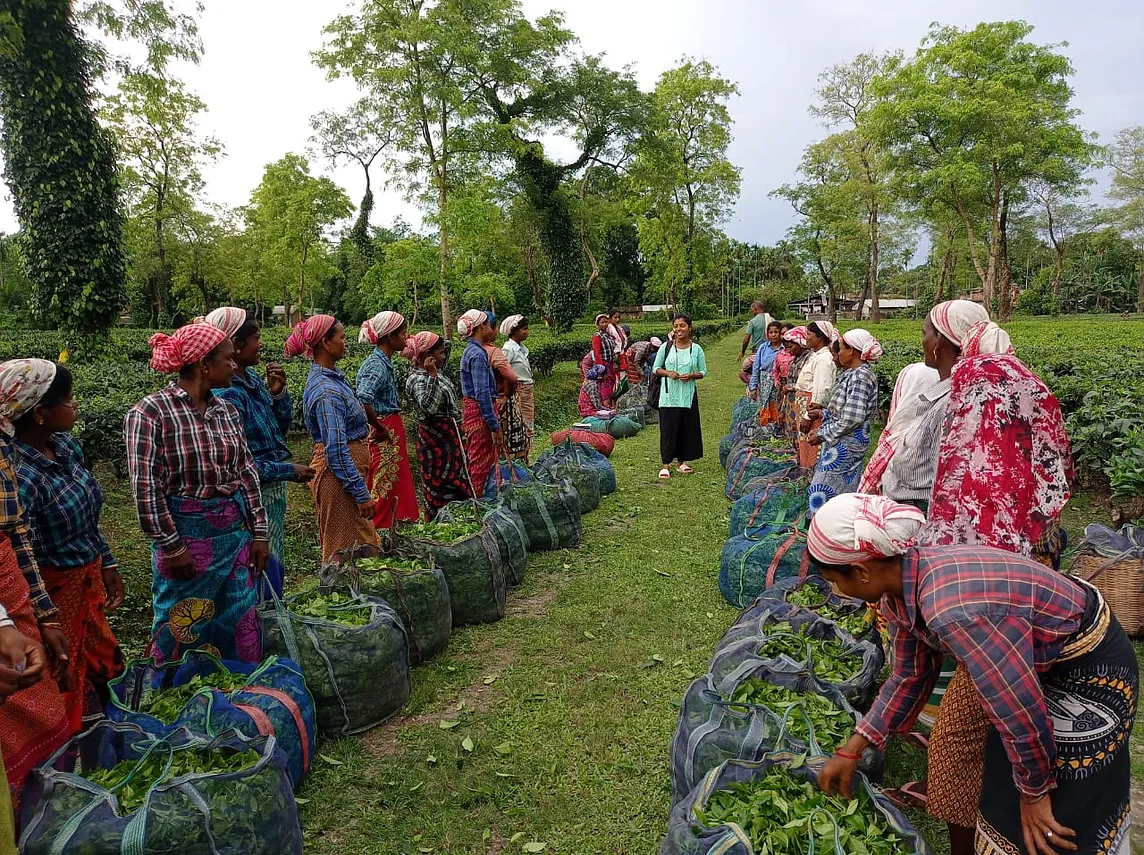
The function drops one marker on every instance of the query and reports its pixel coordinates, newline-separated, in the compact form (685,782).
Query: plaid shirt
(1006,619)
(432,395)
(335,417)
(376,385)
(62,501)
(14,524)
(479,383)
(266,421)
(172,450)
(853,401)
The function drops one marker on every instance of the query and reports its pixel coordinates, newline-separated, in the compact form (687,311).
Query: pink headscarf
(984,338)
(852,528)
(868,347)
(418,345)
(828,330)
(470,321)
(379,326)
(23,384)
(954,318)
(229,319)
(186,345)
(796,336)
(307,334)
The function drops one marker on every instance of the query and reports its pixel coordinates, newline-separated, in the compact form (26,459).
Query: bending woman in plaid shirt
(197,495)
(844,429)
(1055,674)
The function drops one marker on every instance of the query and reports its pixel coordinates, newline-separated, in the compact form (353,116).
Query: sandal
(664,474)
(911,796)
(684,469)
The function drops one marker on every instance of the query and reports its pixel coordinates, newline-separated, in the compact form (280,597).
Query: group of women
(953,534)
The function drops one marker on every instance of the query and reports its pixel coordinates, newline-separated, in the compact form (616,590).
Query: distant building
(886,306)
(815,307)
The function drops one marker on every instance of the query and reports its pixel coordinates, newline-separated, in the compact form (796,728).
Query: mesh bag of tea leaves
(505,472)
(815,594)
(745,410)
(726,443)
(210,695)
(586,481)
(748,461)
(584,456)
(798,650)
(352,650)
(470,557)
(775,504)
(413,586)
(507,527)
(754,561)
(617,427)
(550,512)
(754,717)
(774,806)
(120,790)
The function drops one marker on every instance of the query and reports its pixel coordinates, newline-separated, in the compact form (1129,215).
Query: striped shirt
(909,477)
(1006,619)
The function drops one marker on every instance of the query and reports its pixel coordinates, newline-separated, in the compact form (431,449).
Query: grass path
(570,702)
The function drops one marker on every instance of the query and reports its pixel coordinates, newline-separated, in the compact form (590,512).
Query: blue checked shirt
(335,417)
(377,385)
(479,383)
(14,524)
(853,402)
(62,502)
(265,421)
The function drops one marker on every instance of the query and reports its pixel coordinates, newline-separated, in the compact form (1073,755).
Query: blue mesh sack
(358,673)
(836,830)
(271,699)
(119,790)
(798,650)
(726,443)
(473,566)
(586,457)
(814,593)
(745,410)
(775,504)
(586,482)
(748,462)
(505,472)
(550,512)
(754,561)
(413,586)
(737,724)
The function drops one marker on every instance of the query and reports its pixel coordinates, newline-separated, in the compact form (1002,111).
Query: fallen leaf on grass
(504,749)
(445,724)
(516,838)
(662,573)
(535,846)
(489,680)
(326,758)
(299,801)
(468,744)
(590,636)
(431,760)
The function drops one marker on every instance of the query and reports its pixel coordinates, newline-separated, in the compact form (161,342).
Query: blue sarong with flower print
(839,468)
(214,611)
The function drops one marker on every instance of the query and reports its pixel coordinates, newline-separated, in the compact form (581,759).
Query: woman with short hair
(339,426)
(197,494)
(390,477)
(1053,673)
(267,412)
(62,502)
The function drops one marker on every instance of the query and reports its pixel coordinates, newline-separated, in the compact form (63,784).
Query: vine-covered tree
(67,203)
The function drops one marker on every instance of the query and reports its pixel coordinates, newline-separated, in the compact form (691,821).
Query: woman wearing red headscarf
(440,453)
(198,499)
(788,364)
(390,478)
(338,424)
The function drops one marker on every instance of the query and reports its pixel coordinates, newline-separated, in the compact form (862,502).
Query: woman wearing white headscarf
(1055,675)
(844,431)
(813,384)
(913,380)
(514,328)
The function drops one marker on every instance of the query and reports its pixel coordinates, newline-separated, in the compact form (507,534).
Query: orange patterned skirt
(340,526)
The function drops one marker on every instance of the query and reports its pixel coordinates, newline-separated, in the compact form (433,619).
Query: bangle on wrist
(51,624)
(846,755)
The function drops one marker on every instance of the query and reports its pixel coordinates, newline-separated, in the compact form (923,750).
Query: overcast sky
(261,88)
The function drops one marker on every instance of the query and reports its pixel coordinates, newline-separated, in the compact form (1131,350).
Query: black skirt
(680,433)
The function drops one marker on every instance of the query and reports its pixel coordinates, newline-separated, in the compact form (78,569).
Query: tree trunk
(1004,274)
(595,273)
(971,239)
(1140,287)
(875,314)
(443,258)
(1058,250)
(302,280)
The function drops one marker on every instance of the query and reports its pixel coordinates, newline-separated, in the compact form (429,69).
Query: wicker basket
(1121,581)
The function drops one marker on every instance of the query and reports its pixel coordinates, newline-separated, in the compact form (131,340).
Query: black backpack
(656,383)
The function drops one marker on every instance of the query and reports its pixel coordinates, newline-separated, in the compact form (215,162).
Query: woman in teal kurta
(679,365)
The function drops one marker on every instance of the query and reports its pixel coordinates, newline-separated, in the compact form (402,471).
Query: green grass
(572,700)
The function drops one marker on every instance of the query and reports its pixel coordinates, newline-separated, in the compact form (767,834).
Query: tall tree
(1126,157)
(291,211)
(163,154)
(973,119)
(682,172)
(60,165)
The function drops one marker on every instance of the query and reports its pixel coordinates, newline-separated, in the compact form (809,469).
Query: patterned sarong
(390,478)
(340,526)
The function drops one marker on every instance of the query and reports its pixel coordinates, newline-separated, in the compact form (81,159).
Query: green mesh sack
(413,587)
(774,505)
(745,410)
(358,674)
(550,512)
(582,456)
(586,481)
(473,567)
(119,790)
(507,528)
(754,561)
(726,443)
(837,826)
(623,427)
(636,414)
